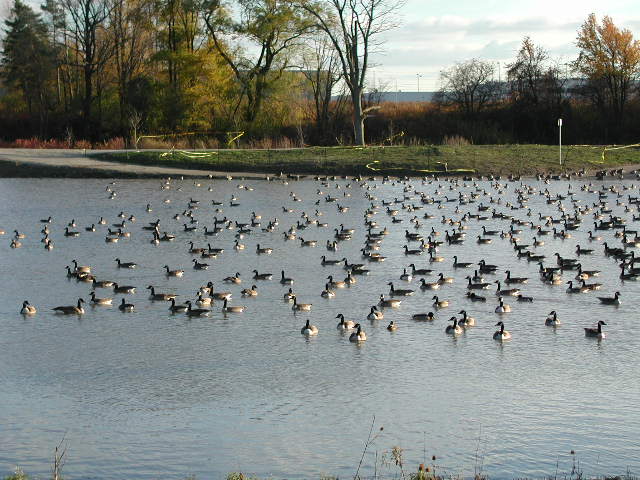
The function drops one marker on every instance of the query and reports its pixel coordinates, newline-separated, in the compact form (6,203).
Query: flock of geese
(427,236)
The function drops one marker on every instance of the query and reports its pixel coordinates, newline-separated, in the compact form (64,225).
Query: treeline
(265,73)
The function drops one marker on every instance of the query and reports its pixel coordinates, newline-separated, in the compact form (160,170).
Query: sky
(435,34)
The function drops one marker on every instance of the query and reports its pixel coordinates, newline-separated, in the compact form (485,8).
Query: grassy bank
(400,160)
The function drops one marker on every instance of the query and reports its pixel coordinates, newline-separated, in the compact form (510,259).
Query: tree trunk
(358,117)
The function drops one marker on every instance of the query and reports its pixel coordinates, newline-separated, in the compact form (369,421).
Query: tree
(354,28)
(609,60)
(91,47)
(320,68)
(130,28)
(27,59)
(273,28)
(525,73)
(469,86)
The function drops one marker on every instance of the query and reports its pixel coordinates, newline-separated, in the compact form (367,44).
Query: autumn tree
(609,60)
(469,86)
(525,73)
(272,29)
(355,28)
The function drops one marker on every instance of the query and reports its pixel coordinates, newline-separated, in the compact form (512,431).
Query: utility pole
(418,75)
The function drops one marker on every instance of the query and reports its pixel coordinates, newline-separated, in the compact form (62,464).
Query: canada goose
(484,241)
(344,325)
(454,329)
(195,250)
(392,327)
(475,298)
(457,264)
(349,280)
(424,285)
(160,296)
(336,283)
(423,317)
(486,268)
(390,302)
(513,292)
(615,300)
(69,233)
(412,252)
(176,308)
(502,308)
(329,262)
(422,271)
(595,332)
(433,258)
(262,276)
(203,301)
(100,301)
(215,295)
(583,251)
(358,335)
(552,319)
(285,280)
(407,277)
(28,309)
(375,314)
(437,303)
(476,286)
(263,250)
(289,295)
(123,289)
(250,292)
(395,292)
(80,268)
(199,266)
(307,243)
(46,220)
(300,307)
(511,279)
(501,334)
(233,278)
(231,308)
(442,279)
(173,273)
(125,307)
(572,289)
(466,321)
(196,312)
(15,244)
(590,287)
(522,298)
(327,292)
(125,264)
(73,309)
(309,330)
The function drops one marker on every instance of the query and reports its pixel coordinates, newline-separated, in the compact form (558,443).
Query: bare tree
(88,28)
(354,28)
(322,72)
(469,85)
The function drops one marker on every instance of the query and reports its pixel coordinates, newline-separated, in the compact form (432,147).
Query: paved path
(52,160)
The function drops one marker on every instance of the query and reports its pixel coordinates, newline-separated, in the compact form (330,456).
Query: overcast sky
(437,33)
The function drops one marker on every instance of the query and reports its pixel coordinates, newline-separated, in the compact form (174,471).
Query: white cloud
(428,44)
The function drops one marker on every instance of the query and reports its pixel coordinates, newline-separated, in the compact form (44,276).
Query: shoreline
(469,161)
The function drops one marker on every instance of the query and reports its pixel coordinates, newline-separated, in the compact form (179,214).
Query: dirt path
(21,162)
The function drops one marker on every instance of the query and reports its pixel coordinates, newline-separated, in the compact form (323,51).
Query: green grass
(401,160)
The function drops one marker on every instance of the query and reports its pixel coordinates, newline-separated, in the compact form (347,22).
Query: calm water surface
(152,395)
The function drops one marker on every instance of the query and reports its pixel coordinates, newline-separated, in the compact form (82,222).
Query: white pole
(560,139)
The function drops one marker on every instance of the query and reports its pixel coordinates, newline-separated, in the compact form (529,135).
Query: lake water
(149,395)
